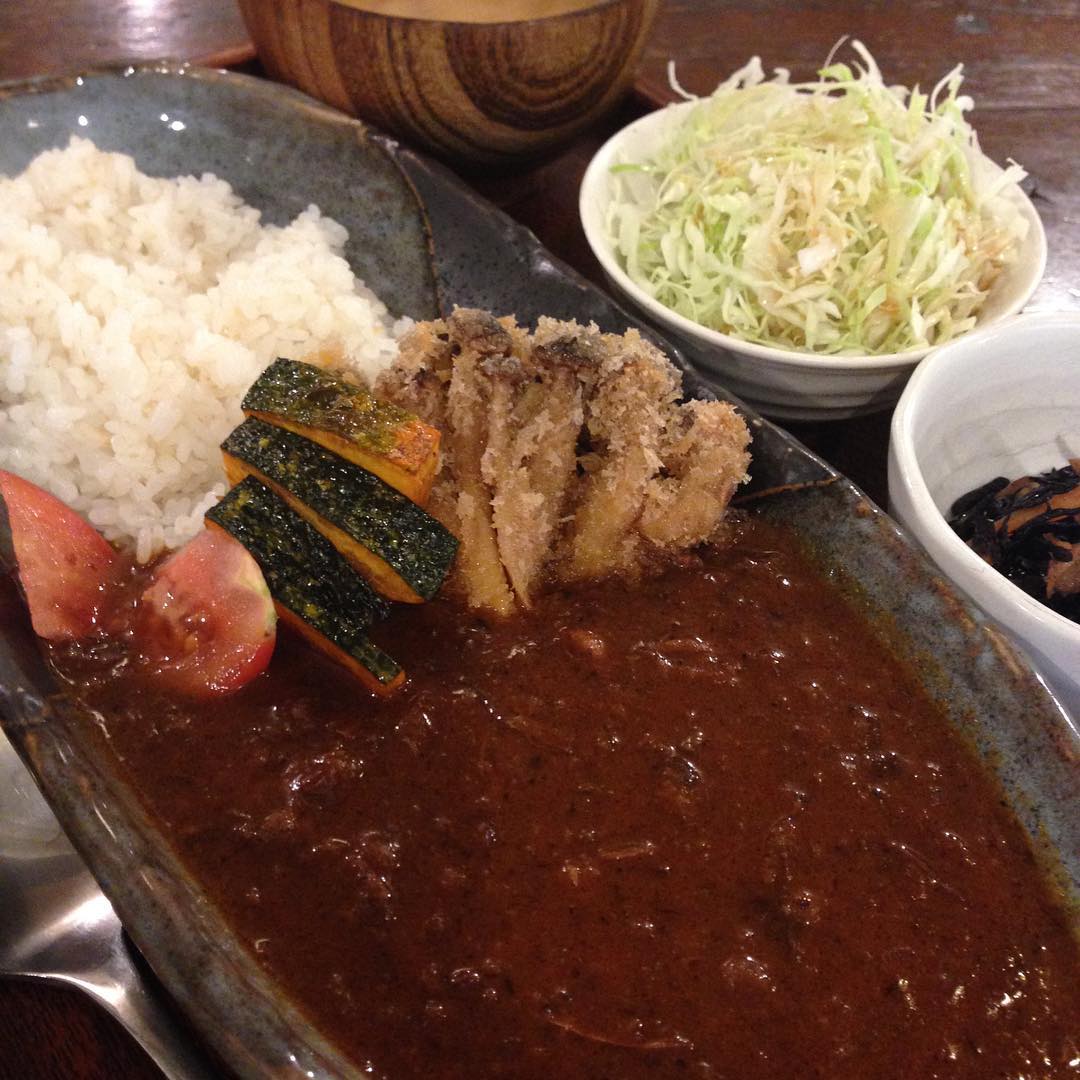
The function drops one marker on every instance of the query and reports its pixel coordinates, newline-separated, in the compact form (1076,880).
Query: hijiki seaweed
(1029,530)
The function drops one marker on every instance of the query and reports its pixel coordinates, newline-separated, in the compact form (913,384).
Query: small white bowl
(1004,401)
(782,382)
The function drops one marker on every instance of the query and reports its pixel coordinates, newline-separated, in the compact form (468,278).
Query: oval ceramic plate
(423,241)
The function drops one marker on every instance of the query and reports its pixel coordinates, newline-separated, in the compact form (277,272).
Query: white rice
(135,312)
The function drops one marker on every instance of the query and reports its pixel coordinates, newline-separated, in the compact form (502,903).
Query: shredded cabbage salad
(841,216)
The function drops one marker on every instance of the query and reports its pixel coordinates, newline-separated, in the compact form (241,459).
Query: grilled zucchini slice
(394,444)
(401,549)
(315,590)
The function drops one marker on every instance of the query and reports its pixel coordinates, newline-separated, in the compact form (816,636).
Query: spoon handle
(139,1004)
(57,926)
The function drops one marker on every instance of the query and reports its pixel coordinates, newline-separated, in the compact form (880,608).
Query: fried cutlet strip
(626,419)
(506,377)
(705,460)
(418,381)
(536,464)
(501,465)
(566,454)
(570,345)
(469,394)
(418,377)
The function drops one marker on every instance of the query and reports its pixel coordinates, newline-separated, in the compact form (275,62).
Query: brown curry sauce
(707,828)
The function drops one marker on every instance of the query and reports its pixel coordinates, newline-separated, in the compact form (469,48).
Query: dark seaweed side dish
(1029,530)
(706,828)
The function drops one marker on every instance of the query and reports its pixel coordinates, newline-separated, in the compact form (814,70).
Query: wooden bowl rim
(486,24)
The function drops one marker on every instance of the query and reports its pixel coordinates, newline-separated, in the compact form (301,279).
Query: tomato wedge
(206,622)
(64,564)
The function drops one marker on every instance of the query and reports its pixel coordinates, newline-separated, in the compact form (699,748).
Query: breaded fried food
(567,454)
(627,417)
(532,466)
(471,401)
(702,444)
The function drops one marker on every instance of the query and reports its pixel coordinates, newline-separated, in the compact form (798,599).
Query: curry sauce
(708,827)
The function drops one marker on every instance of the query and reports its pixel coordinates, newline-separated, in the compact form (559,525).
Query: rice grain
(135,312)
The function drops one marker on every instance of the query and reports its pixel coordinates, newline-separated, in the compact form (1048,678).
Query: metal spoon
(56,924)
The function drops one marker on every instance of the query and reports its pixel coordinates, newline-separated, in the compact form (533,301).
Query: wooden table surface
(1022,67)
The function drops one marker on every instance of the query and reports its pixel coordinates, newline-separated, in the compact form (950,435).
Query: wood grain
(467,91)
(55,37)
(51,1032)
(1015,54)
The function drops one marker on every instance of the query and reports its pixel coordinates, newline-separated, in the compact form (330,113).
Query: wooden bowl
(474,81)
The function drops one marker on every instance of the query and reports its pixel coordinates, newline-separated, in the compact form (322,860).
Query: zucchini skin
(377,435)
(314,589)
(397,544)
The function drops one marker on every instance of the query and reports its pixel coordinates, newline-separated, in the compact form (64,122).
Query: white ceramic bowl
(782,382)
(1004,401)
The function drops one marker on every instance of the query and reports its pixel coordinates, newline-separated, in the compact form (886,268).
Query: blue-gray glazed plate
(424,242)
